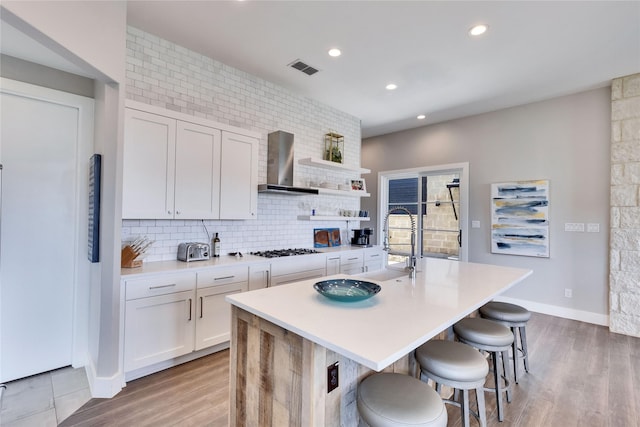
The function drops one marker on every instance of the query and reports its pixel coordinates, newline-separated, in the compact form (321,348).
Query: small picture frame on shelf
(358,185)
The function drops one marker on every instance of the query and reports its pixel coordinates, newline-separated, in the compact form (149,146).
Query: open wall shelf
(325,164)
(332,218)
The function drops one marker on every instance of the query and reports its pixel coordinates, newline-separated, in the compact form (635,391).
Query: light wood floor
(581,375)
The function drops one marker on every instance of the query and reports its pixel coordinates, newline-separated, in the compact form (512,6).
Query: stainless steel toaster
(193,251)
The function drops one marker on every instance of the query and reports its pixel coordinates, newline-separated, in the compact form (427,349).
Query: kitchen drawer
(296,277)
(295,264)
(353,257)
(159,285)
(223,276)
(373,255)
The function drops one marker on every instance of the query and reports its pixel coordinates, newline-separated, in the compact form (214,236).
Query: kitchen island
(285,338)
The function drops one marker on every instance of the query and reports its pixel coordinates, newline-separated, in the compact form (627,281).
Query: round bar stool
(393,400)
(495,339)
(516,318)
(459,366)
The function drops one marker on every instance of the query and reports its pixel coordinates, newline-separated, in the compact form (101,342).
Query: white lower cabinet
(356,261)
(171,315)
(259,275)
(213,318)
(333,264)
(351,262)
(159,319)
(213,314)
(293,269)
(373,259)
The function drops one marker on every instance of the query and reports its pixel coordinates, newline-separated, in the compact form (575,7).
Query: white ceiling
(532,51)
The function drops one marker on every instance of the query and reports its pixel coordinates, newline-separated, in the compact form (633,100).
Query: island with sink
(297,357)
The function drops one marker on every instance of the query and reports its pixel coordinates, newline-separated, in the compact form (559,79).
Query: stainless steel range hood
(280,166)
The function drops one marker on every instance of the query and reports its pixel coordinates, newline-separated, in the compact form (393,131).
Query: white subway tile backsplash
(169,76)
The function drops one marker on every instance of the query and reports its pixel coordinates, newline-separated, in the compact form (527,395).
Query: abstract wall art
(520,218)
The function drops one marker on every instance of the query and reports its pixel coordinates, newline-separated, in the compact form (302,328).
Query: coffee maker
(361,237)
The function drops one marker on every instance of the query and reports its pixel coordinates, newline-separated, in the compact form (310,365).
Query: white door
(436,197)
(39,230)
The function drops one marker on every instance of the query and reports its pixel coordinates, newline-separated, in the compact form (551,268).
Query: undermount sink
(386,274)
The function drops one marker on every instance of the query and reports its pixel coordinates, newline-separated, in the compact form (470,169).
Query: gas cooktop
(284,252)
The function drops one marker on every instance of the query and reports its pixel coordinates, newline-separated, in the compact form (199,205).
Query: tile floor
(44,400)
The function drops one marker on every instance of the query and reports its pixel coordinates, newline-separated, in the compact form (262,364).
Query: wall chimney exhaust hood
(280,166)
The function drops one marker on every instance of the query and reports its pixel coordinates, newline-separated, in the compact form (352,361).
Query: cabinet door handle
(177,212)
(268,278)
(162,286)
(169,212)
(333,259)
(351,259)
(374,255)
(190,303)
(201,298)
(224,278)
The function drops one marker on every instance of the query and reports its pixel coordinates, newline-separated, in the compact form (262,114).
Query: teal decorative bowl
(347,290)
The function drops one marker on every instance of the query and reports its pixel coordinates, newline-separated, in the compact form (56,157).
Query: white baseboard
(161,366)
(554,310)
(103,387)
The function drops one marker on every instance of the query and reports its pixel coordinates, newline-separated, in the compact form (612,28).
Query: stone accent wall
(624,255)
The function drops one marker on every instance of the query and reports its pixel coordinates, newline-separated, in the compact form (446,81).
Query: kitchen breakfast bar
(284,339)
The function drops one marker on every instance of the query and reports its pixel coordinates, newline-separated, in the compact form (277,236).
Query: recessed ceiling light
(478,29)
(391,86)
(335,52)
(421,116)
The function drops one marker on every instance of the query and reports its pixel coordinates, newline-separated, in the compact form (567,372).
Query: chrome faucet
(411,264)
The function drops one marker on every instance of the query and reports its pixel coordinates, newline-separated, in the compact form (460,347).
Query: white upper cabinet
(239,177)
(197,182)
(149,165)
(182,167)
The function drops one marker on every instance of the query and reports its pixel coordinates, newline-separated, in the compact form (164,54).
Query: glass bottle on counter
(216,246)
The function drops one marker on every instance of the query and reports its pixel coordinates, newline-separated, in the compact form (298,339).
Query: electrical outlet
(332,377)
(568,293)
(475,224)
(593,227)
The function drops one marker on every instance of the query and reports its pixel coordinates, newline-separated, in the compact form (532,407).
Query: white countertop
(224,260)
(402,316)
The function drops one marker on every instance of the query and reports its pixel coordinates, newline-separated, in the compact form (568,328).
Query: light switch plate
(475,224)
(574,226)
(593,228)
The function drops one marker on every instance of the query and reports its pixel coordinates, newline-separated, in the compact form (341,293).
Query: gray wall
(564,140)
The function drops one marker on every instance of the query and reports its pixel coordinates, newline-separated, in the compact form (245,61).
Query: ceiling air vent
(305,68)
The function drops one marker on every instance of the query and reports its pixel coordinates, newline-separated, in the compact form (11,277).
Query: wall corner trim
(103,387)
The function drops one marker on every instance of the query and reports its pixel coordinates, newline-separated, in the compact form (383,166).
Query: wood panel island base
(284,339)
(279,378)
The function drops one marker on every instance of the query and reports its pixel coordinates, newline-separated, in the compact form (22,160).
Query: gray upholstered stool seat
(392,400)
(516,318)
(459,366)
(495,338)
